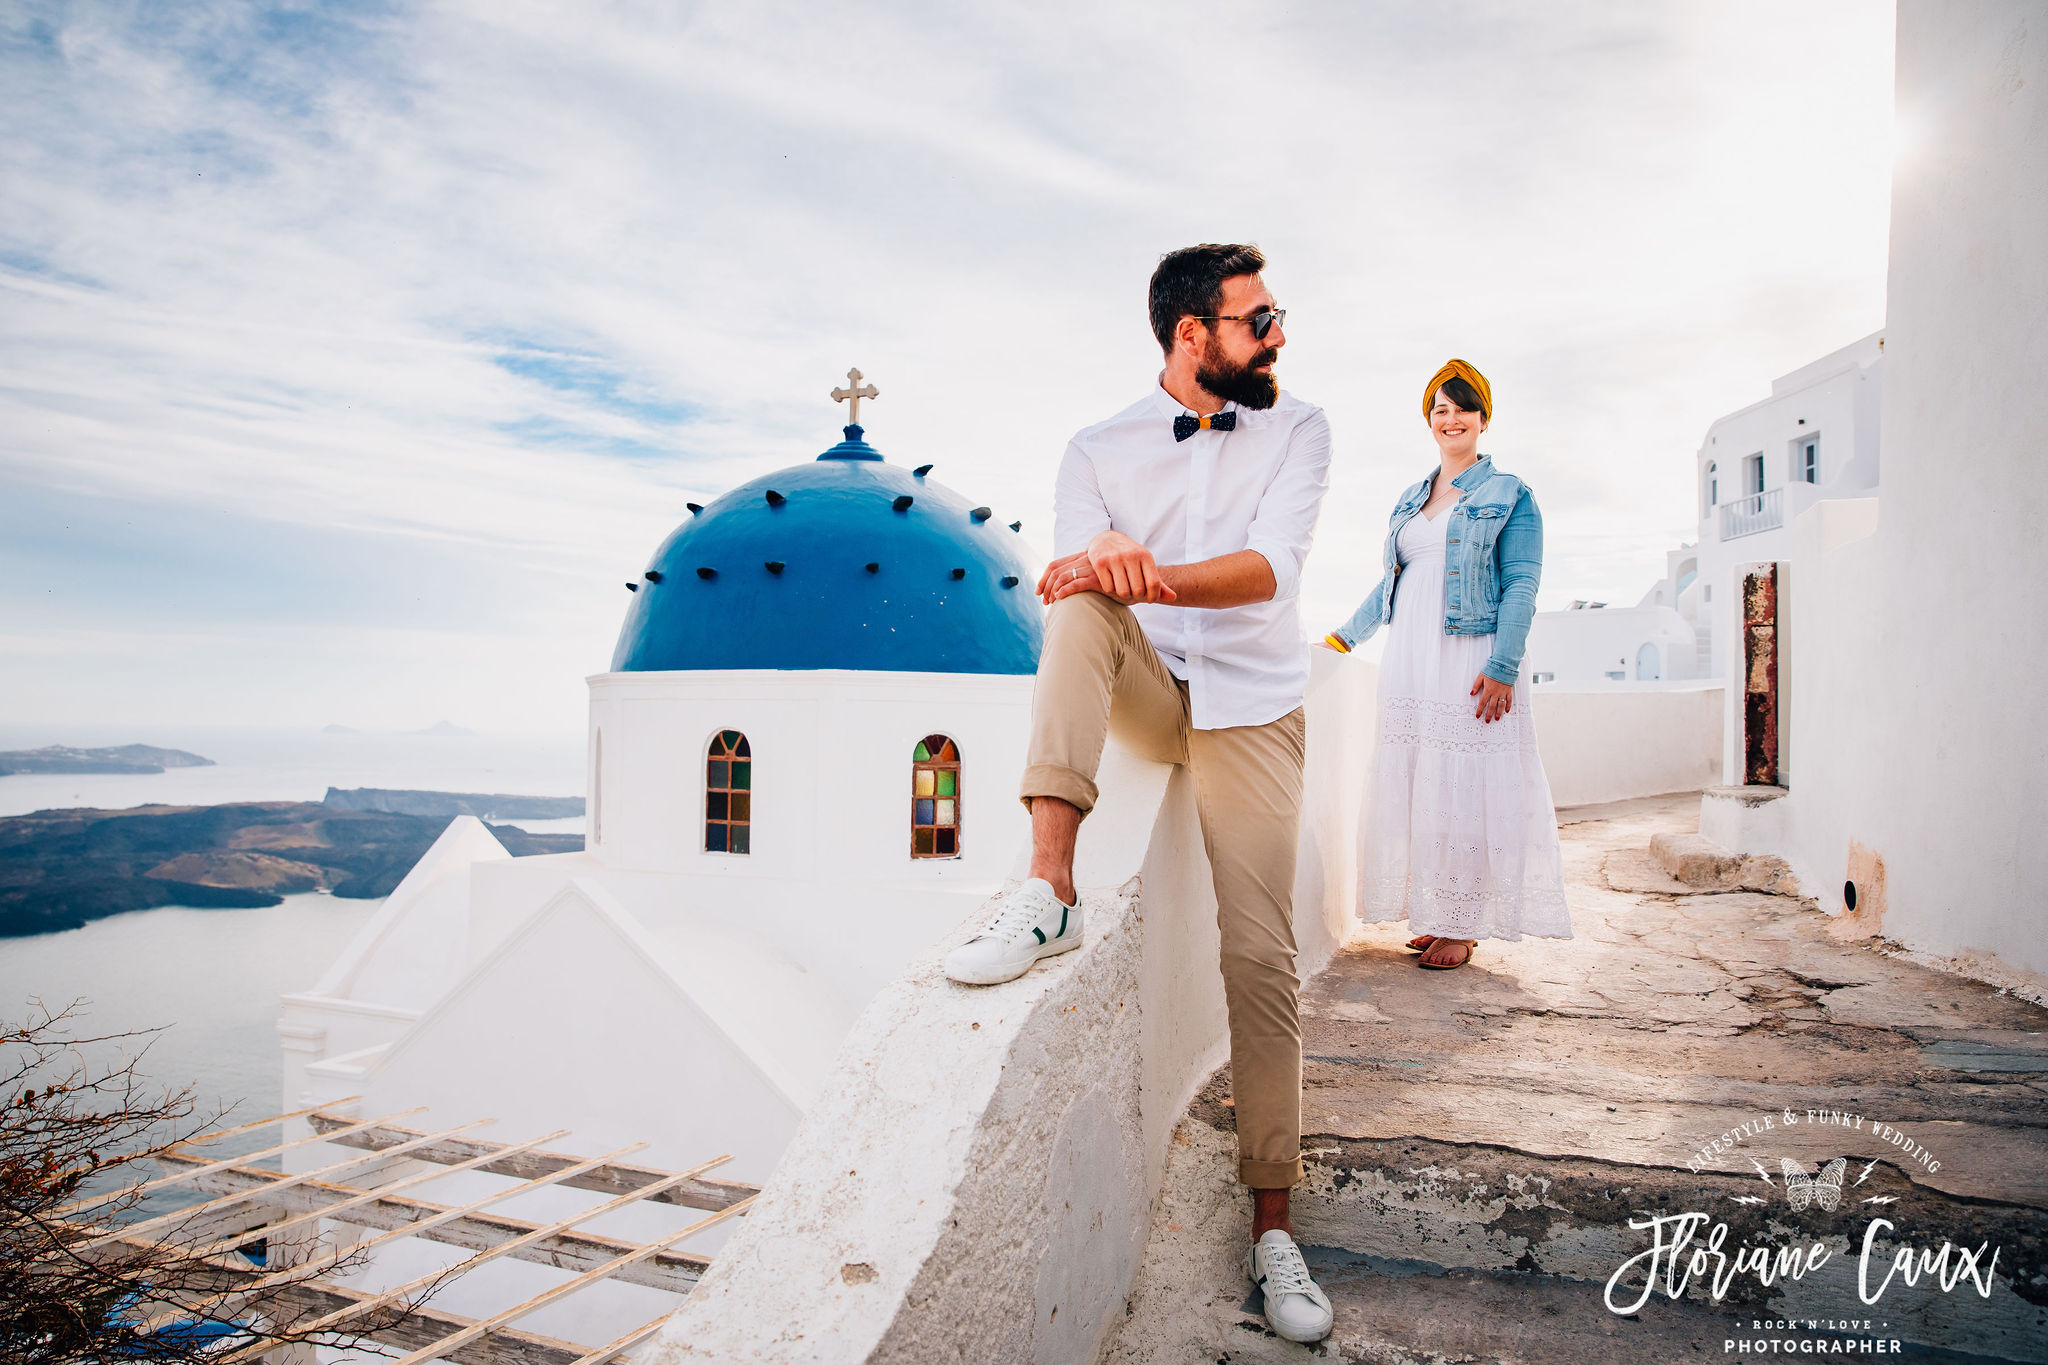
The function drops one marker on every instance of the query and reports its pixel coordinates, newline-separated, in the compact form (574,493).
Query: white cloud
(268,261)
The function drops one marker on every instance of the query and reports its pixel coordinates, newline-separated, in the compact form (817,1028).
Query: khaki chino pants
(1099,674)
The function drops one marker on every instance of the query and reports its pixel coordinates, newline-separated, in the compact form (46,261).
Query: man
(1181,526)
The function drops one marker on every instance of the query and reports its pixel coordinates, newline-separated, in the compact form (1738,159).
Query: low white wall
(1609,745)
(976,1183)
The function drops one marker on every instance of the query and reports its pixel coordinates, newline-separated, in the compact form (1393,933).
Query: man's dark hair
(1463,396)
(1189,283)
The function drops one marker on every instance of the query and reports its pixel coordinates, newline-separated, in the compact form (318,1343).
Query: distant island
(61,868)
(481,805)
(127,758)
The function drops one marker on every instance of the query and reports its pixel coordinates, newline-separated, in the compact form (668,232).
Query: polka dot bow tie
(1187,425)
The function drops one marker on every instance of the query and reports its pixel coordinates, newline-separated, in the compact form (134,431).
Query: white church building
(802,765)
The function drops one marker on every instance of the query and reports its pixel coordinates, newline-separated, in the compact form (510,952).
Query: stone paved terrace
(1482,1137)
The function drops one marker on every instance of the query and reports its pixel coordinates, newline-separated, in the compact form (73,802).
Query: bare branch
(79,1121)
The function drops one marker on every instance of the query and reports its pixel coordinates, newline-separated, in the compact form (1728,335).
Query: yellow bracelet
(1333,642)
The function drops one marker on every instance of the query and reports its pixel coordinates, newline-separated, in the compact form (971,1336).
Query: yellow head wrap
(1458,369)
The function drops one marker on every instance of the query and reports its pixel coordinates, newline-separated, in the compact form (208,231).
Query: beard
(1239,384)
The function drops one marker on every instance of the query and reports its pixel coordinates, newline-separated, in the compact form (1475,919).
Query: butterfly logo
(1824,1189)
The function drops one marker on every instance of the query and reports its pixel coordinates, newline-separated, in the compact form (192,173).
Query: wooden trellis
(250,1202)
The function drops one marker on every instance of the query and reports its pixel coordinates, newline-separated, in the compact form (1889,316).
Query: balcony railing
(1757,512)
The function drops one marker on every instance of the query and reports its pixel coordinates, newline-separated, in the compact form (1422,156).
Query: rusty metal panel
(1760,677)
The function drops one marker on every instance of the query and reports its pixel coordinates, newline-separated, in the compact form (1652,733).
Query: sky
(352,357)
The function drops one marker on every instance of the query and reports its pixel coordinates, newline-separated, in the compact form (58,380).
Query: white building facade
(1813,440)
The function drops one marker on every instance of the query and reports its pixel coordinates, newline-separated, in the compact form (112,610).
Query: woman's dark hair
(1463,396)
(1189,283)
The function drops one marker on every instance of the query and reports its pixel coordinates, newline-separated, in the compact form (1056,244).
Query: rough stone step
(1699,862)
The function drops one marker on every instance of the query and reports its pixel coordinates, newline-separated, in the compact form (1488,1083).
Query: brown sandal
(1448,966)
(1418,945)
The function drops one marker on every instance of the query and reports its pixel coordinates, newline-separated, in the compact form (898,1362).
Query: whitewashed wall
(832,762)
(831,808)
(1626,740)
(1829,758)
(1917,654)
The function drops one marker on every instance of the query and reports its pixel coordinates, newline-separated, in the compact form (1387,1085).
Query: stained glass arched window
(728,794)
(935,798)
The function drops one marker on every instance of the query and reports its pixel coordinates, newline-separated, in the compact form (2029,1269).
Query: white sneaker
(1030,924)
(1296,1306)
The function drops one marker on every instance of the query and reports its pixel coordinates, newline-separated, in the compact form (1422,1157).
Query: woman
(1460,836)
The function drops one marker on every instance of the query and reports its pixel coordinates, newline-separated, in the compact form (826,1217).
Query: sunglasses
(1260,322)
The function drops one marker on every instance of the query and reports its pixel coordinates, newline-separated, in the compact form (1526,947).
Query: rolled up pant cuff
(1269,1175)
(1050,779)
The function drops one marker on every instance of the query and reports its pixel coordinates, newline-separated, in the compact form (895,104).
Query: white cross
(852,394)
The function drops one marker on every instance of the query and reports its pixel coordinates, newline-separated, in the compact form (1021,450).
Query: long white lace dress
(1460,834)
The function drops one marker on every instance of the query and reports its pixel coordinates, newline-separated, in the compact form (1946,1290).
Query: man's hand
(1056,573)
(1114,565)
(1495,698)
(1126,569)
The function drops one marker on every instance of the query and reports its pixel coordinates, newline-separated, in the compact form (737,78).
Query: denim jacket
(1492,561)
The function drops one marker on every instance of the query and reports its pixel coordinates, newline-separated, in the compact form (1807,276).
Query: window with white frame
(1753,474)
(1806,458)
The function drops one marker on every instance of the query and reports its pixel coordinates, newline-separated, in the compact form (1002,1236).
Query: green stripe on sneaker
(1038,931)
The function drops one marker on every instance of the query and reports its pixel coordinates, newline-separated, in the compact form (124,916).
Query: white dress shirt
(1256,488)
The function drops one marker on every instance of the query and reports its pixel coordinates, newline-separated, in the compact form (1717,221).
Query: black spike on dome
(902,504)
(921,471)
(654,575)
(707,573)
(775,499)
(695,507)
(1016,526)
(873,567)
(959,573)
(1009,580)
(980,514)
(632,587)
(774,566)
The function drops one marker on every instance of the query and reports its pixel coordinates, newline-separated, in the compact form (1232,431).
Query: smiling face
(1456,429)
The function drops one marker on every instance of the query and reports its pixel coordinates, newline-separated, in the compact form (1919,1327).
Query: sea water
(210,979)
(198,988)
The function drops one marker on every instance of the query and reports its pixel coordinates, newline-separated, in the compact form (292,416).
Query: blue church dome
(844,562)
